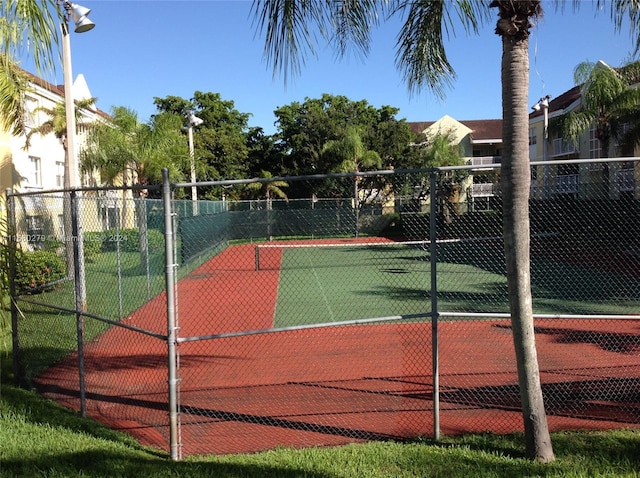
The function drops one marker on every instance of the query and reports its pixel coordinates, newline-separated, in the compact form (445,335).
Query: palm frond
(30,27)
(571,125)
(421,56)
(352,21)
(14,83)
(289,38)
(625,12)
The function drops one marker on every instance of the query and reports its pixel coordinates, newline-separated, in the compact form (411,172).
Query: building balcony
(482,190)
(480,161)
(625,180)
(566,183)
(562,147)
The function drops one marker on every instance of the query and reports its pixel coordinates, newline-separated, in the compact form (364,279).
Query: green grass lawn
(41,439)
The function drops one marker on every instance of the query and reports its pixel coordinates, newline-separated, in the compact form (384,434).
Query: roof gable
(480,130)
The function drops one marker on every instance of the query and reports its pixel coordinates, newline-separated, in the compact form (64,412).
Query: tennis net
(343,254)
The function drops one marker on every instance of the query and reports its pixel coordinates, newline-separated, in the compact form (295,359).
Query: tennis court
(283,353)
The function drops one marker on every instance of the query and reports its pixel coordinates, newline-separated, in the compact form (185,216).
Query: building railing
(485,160)
(566,183)
(482,190)
(625,180)
(561,146)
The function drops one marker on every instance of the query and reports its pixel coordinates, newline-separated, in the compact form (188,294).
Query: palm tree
(126,152)
(441,150)
(56,124)
(609,104)
(26,26)
(352,157)
(268,189)
(422,59)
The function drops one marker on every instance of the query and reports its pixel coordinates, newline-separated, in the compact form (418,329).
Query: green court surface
(333,284)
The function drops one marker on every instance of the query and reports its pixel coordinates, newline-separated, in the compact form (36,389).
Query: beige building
(577,180)
(481,143)
(40,166)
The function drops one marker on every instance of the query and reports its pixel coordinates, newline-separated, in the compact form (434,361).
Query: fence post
(11,245)
(433,250)
(80,300)
(118,240)
(171,317)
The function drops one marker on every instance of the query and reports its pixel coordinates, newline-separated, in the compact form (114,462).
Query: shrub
(36,269)
(129,240)
(92,243)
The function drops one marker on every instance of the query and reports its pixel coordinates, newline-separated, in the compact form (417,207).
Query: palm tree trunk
(516,181)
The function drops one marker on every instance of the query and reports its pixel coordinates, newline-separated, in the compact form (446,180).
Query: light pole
(82,24)
(193,121)
(543,104)
(71,207)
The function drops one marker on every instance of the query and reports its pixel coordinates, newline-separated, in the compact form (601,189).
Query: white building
(41,165)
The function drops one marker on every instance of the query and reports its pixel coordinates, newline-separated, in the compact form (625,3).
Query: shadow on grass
(111,463)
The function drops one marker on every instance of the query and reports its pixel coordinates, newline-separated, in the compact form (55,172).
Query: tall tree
(269,189)
(609,104)
(220,143)
(126,152)
(421,57)
(304,128)
(438,151)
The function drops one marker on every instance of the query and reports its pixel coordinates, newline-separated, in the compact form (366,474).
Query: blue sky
(145,49)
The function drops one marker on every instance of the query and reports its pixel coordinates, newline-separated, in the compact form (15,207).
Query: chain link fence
(373,306)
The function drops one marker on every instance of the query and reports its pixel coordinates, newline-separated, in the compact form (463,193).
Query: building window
(34,175)
(35,231)
(60,174)
(594,145)
(533,138)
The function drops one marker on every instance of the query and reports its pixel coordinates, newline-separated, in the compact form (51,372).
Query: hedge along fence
(127,240)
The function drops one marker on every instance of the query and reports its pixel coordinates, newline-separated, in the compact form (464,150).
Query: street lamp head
(194,120)
(79,15)
(543,103)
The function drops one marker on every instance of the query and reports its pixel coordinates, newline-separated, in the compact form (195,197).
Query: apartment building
(39,166)
(481,144)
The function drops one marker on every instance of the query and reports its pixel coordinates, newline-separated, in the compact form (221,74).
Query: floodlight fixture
(194,120)
(79,15)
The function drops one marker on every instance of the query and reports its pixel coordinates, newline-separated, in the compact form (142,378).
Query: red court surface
(335,385)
